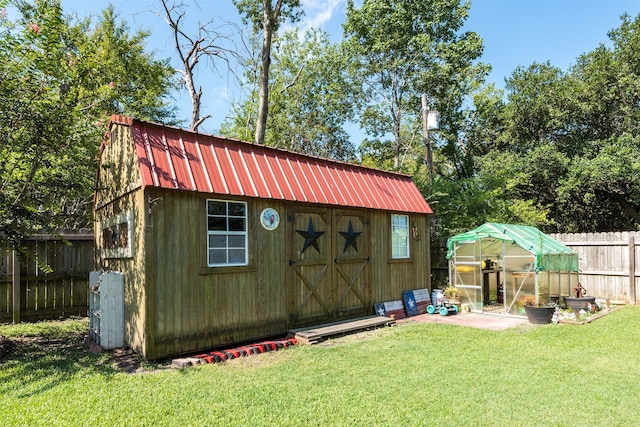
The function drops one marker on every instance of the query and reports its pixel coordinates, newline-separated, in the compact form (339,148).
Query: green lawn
(412,374)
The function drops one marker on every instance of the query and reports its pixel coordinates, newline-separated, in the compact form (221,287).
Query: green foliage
(458,204)
(309,99)
(253,12)
(60,82)
(561,151)
(401,50)
(605,180)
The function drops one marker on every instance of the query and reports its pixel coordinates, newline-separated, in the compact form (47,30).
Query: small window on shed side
(227,237)
(116,236)
(400,236)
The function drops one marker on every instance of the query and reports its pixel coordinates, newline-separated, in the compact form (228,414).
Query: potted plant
(452,294)
(540,311)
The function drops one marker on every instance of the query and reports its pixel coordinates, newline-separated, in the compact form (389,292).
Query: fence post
(632,270)
(15,273)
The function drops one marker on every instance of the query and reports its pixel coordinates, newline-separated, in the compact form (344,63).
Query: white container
(106,309)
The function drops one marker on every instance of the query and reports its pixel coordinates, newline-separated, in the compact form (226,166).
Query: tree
(309,97)
(601,190)
(563,151)
(266,17)
(208,42)
(403,49)
(59,83)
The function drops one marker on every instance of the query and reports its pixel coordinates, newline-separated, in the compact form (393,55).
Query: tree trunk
(263,101)
(195,96)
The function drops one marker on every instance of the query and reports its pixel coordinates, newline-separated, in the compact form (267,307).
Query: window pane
(217,256)
(217,241)
(124,235)
(399,236)
(236,241)
(106,238)
(400,252)
(398,231)
(237,209)
(399,220)
(217,223)
(217,208)
(236,256)
(236,224)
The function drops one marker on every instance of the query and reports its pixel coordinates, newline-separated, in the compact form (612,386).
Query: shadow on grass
(38,362)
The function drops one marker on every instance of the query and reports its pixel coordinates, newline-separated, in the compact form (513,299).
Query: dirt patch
(126,360)
(6,347)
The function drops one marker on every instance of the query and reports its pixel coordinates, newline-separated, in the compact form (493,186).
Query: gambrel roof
(172,158)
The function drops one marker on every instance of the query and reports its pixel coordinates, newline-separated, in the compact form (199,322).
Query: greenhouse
(497,267)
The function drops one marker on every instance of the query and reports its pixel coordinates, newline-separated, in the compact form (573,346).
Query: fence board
(62,293)
(609,263)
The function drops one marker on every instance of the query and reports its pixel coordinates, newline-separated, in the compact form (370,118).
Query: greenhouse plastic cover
(550,254)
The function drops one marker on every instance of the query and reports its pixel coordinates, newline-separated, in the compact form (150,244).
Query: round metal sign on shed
(270,219)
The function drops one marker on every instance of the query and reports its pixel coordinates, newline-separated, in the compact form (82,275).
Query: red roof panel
(180,170)
(179,159)
(145,161)
(198,169)
(212,168)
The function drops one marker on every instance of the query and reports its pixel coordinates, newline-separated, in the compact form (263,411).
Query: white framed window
(116,236)
(399,236)
(227,235)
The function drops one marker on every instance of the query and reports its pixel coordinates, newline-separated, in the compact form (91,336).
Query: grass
(412,374)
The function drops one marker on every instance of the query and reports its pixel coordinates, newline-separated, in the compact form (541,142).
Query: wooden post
(15,273)
(632,270)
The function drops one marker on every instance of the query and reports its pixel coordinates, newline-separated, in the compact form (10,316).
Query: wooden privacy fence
(28,294)
(609,263)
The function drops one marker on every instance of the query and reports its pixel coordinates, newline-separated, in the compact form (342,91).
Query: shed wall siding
(118,173)
(195,307)
(133,268)
(391,277)
(198,307)
(118,190)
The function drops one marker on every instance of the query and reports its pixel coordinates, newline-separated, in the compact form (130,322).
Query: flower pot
(579,303)
(539,315)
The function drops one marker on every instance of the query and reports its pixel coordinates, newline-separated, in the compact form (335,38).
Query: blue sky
(515,33)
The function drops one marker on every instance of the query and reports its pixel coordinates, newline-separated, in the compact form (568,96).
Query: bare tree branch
(208,42)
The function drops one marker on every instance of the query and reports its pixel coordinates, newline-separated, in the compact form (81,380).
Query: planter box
(579,303)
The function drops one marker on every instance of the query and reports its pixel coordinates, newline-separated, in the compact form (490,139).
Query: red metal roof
(173,158)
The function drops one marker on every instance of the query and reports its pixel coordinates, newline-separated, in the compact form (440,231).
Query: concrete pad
(492,322)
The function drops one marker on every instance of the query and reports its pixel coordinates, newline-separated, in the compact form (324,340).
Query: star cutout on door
(350,237)
(310,237)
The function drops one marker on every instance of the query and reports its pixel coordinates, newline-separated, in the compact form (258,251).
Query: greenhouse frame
(498,267)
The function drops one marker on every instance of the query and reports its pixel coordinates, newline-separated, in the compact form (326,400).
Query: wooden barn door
(328,259)
(351,262)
